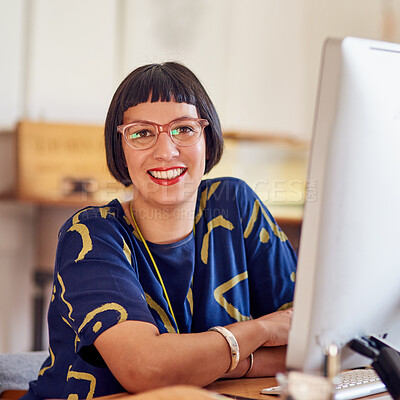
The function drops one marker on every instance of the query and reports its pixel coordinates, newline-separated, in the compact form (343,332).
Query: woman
(139,285)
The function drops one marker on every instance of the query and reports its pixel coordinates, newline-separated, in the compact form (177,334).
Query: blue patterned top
(237,265)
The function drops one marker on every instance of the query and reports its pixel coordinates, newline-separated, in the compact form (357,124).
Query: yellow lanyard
(155,266)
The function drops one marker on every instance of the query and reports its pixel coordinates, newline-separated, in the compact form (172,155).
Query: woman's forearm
(267,361)
(141,359)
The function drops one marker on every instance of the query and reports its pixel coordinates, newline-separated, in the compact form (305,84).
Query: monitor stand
(385,360)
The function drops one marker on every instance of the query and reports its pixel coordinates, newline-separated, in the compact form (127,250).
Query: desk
(249,387)
(246,387)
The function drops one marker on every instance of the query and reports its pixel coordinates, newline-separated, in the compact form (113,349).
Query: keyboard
(350,385)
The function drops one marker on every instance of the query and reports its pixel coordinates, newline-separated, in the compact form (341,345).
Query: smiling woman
(189,281)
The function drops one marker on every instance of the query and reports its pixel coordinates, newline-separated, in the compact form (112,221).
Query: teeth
(170,174)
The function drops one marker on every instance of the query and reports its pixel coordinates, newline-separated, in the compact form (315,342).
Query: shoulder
(234,196)
(228,198)
(225,192)
(100,233)
(225,184)
(111,214)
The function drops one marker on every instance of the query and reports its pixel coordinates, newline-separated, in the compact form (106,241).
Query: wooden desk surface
(248,388)
(251,387)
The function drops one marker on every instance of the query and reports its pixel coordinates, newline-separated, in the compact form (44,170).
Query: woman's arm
(142,359)
(268,361)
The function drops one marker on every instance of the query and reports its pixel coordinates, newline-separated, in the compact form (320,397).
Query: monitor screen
(348,279)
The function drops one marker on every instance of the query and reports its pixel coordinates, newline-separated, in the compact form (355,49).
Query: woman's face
(184,166)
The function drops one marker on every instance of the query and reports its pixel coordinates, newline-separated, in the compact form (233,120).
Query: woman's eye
(181,130)
(139,135)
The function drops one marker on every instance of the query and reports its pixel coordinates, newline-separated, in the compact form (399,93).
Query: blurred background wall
(61,61)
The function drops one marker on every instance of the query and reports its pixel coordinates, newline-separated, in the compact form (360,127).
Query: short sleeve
(96,276)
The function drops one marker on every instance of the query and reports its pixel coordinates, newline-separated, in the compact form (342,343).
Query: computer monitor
(348,279)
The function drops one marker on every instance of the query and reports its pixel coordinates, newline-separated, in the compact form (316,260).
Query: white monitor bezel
(347,67)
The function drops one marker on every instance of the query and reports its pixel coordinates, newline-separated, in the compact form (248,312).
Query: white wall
(62,60)
(374,19)
(71,61)
(248,54)
(266,65)
(196,33)
(258,58)
(12,18)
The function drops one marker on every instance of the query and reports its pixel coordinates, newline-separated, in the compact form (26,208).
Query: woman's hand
(277,324)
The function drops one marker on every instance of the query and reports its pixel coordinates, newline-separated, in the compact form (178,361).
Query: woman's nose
(165,148)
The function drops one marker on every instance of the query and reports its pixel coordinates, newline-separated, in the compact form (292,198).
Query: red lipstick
(160,176)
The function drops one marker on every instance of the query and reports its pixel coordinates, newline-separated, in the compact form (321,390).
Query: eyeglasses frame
(162,128)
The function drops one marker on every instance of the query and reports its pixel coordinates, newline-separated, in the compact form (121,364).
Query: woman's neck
(163,225)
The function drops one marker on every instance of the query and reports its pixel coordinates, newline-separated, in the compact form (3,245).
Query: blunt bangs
(157,83)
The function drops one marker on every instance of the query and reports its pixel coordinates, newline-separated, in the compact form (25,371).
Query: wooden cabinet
(64,164)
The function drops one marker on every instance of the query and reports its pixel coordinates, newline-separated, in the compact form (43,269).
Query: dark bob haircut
(169,81)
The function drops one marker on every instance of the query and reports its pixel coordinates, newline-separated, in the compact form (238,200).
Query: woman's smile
(167,176)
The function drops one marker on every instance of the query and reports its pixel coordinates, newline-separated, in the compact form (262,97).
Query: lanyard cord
(155,265)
